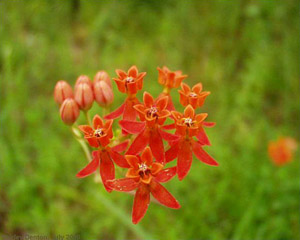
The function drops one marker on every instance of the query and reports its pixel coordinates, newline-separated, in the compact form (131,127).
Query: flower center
(143,167)
(143,170)
(129,79)
(98,132)
(189,122)
(192,94)
(152,112)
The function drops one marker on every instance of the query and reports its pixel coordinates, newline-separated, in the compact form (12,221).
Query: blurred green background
(245,52)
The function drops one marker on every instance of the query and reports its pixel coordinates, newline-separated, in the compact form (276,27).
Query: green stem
(105,111)
(87,116)
(82,143)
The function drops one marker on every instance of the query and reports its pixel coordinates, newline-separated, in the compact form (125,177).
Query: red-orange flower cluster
(152,147)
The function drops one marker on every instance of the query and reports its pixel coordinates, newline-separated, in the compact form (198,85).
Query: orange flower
(281,151)
(145,176)
(153,115)
(153,112)
(170,79)
(100,134)
(194,96)
(189,125)
(129,82)
(142,168)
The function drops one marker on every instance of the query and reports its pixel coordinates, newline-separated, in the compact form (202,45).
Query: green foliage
(245,52)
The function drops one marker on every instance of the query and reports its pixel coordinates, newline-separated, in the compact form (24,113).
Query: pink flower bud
(102,76)
(83,79)
(84,96)
(62,91)
(104,95)
(69,111)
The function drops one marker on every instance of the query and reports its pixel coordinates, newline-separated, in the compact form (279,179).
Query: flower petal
(169,127)
(118,112)
(172,153)
(146,178)
(97,122)
(133,161)
(148,100)
(121,146)
(123,184)
(202,155)
(156,167)
(121,73)
(129,112)
(185,88)
(176,115)
(163,196)
(133,71)
(141,203)
(140,108)
(139,143)
(157,146)
(197,88)
(189,112)
(92,141)
(86,129)
(183,98)
(162,103)
(132,87)
(108,125)
(91,167)
(107,169)
(166,174)
(168,136)
(104,140)
(147,157)
(170,105)
(132,173)
(202,137)
(185,159)
(121,85)
(200,117)
(132,127)
(119,159)
(209,124)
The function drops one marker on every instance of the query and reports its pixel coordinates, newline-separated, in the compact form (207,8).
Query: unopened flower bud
(84,96)
(62,91)
(83,79)
(102,76)
(69,111)
(104,95)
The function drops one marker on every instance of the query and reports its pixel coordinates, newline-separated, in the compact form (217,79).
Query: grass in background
(245,52)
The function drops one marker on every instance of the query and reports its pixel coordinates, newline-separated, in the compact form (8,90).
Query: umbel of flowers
(142,143)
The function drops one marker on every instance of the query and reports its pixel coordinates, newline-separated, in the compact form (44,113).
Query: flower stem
(105,111)
(87,116)
(82,143)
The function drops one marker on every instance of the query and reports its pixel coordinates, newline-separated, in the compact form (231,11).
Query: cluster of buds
(145,145)
(85,93)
